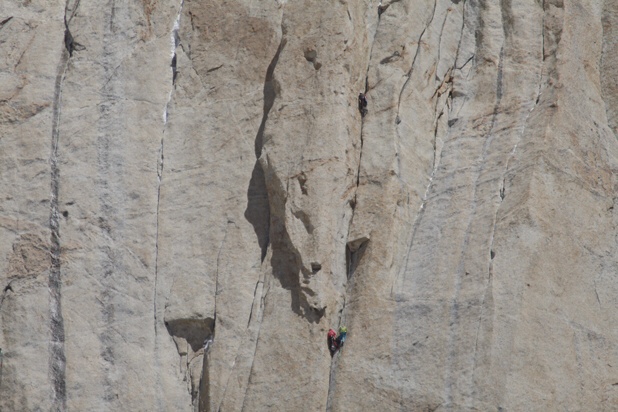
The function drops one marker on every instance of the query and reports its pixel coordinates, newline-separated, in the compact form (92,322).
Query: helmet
(343,329)
(332,333)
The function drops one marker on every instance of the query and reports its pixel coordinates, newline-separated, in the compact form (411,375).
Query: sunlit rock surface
(190,199)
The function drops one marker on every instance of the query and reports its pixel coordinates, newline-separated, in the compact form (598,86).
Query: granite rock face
(190,198)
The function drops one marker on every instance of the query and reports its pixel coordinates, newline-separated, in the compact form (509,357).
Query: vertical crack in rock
(415,225)
(445,88)
(258,214)
(57,359)
(69,41)
(434,163)
(156,274)
(419,214)
(204,385)
(217,291)
(418,218)
(252,336)
(193,338)
(502,190)
(543,35)
(360,152)
(175,41)
(202,395)
(608,61)
(253,302)
(461,37)
(418,49)
(441,33)
(353,251)
(454,310)
(259,285)
(244,397)
(513,152)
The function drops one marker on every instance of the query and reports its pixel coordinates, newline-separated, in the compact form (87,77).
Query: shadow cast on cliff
(264,211)
(287,268)
(258,206)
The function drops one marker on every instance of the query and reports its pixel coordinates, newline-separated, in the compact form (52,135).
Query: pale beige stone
(190,199)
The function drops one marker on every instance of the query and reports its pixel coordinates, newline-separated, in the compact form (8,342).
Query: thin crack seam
(57,358)
(160,166)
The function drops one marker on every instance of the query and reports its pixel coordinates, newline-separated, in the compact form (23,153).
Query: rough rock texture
(190,198)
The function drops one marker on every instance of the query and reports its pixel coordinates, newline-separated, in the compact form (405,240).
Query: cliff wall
(190,198)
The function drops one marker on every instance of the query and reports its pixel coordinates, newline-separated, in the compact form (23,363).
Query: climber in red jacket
(332,342)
